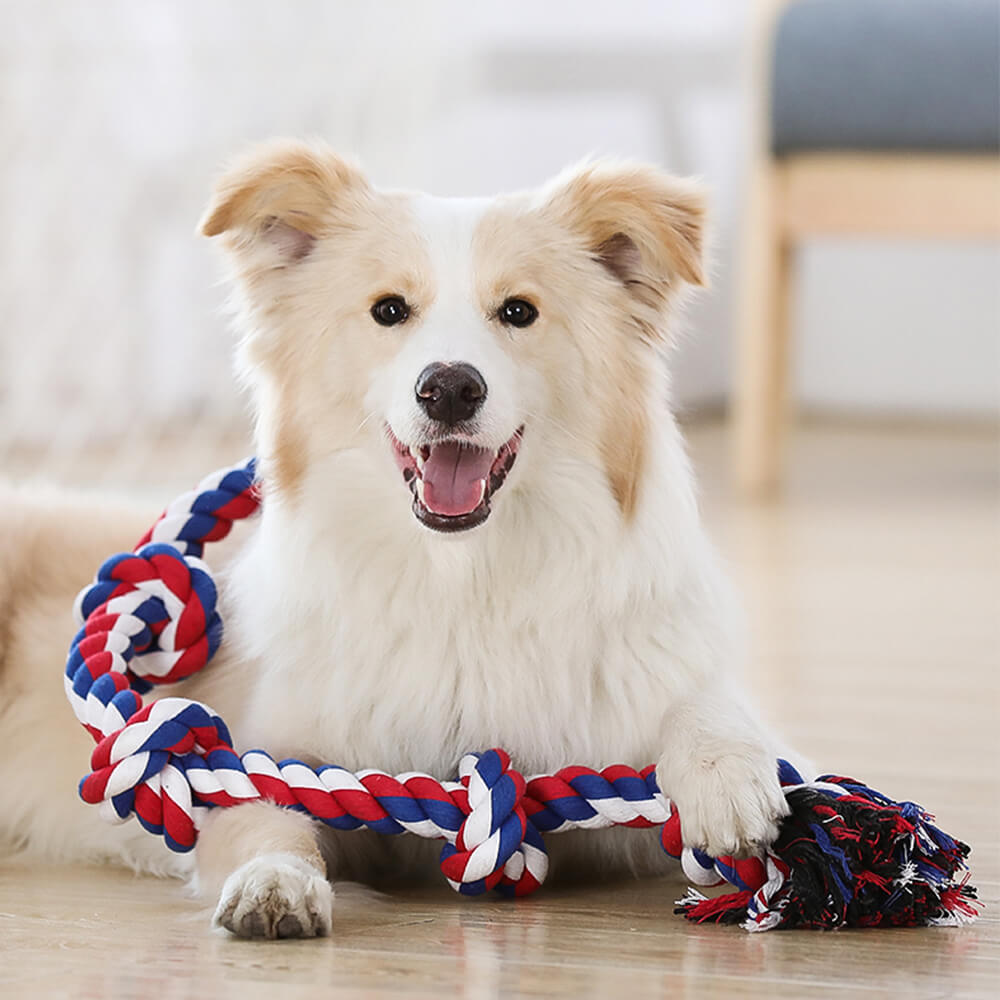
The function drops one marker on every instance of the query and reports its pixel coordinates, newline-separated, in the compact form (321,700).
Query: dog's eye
(390,311)
(517,312)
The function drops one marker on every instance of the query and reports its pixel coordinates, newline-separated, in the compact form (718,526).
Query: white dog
(479,529)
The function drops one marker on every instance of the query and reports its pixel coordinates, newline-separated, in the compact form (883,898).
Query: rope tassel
(847,856)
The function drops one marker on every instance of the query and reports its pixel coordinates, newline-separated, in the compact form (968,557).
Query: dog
(479,529)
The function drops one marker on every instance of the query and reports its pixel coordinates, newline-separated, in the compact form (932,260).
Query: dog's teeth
(417,457)
(482,489)
(420,491)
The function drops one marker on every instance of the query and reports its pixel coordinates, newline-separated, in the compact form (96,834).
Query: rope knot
(142,768)
(172,596)
(497,846)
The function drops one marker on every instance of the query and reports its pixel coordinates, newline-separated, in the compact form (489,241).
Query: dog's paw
(729,805)
(276,896)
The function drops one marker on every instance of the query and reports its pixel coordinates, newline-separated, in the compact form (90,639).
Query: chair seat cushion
(887,75)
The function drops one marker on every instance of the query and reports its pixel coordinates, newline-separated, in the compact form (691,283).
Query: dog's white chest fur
(381,645)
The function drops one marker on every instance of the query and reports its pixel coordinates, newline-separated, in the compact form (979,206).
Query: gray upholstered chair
(877,117)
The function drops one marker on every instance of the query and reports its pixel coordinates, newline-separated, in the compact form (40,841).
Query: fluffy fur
(585,620)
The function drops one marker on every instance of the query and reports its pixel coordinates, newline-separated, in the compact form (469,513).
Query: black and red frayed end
(848,856)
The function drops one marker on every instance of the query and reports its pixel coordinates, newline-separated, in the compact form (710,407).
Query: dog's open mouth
(452,482)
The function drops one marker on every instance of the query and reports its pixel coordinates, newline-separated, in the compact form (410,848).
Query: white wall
(903,328)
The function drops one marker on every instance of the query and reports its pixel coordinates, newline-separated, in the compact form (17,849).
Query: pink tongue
(452,475)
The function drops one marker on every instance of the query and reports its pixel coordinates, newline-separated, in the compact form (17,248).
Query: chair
(880,118)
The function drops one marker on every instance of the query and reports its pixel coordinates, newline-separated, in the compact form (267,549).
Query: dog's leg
(719,767)
(264,865)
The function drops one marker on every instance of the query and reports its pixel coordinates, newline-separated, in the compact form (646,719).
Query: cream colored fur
(586,621)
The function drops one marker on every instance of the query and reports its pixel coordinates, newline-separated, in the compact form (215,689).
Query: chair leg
(760,383)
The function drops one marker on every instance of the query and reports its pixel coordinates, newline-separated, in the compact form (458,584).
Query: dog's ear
(644,226)
(646,229)
(281,196)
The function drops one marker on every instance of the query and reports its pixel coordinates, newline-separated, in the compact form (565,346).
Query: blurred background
(116,115)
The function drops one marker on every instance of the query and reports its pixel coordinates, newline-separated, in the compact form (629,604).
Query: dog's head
(450,339)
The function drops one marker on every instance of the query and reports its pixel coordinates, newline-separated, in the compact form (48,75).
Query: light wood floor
(873,592)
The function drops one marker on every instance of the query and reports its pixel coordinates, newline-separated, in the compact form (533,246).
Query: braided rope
(150,618)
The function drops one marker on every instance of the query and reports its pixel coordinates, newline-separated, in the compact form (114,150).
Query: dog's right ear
(281,197)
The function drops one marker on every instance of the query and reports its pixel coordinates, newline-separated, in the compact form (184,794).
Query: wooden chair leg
(760,383)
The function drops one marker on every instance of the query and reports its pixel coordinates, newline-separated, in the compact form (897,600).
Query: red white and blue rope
(150,618)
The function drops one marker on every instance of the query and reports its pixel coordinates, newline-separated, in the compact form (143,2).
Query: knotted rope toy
(846,856)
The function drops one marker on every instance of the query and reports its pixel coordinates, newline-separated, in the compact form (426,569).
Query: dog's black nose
(450,393)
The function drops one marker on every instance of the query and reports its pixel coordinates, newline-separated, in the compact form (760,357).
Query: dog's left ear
(280,197)
(643,225)
(645,229)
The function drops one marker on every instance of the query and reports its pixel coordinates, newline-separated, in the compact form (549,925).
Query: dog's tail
(51,543)
(13,556)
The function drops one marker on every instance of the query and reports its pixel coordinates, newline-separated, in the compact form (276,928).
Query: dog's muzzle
(452,480)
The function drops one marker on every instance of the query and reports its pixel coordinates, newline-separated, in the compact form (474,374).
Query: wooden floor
(873,592)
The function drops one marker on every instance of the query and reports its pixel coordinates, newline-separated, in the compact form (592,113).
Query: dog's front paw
(729,804)
(276,896)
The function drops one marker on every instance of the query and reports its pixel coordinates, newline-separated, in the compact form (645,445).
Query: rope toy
(846,856)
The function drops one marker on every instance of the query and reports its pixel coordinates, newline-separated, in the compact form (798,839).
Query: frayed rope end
(848,856)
